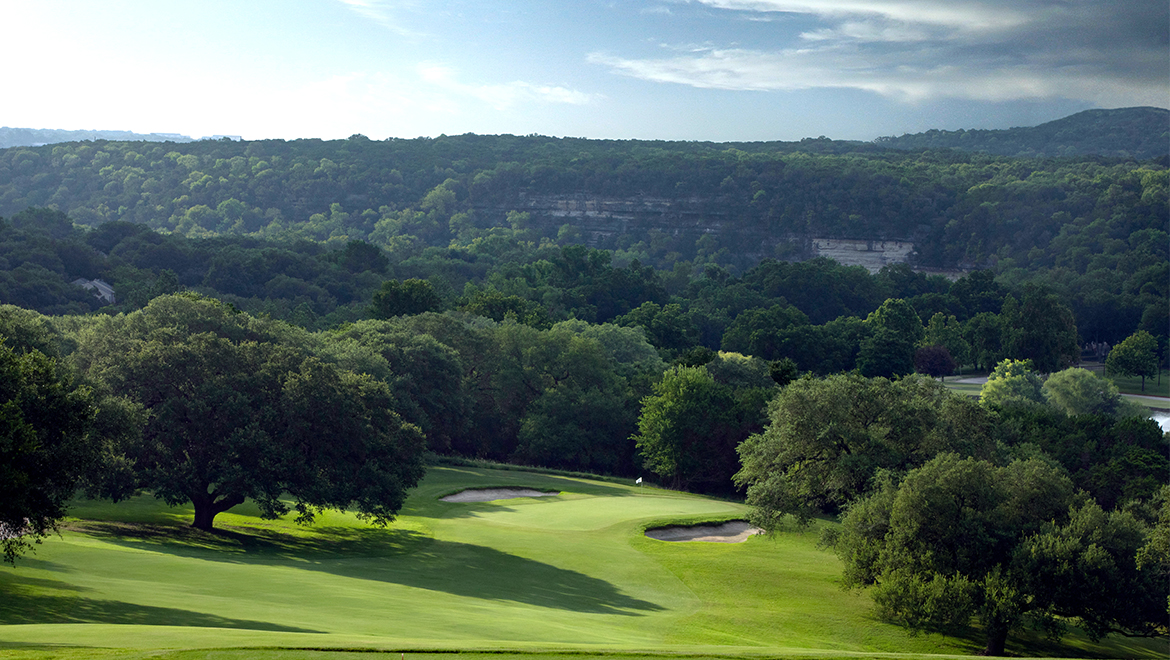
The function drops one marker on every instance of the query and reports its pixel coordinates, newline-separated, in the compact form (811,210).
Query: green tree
(239,408)
(578,429)
(1040,329)
(885,354)
(984,335)
(687,431)
(962,538)
(1136,355)
(943,330)
(359,256)
(497,306)
(783,371)
(755,331)
(666,326)
(560,399)
(1075,391)
(1118,461)
(827,438)
(1013,382)
(412,296)
(738,370)
(45,445)
(425,375)
(888,351)
(56,434)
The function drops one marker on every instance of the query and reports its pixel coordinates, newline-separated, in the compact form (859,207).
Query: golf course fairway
(571,575)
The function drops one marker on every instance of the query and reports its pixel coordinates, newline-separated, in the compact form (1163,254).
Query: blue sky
(719,70)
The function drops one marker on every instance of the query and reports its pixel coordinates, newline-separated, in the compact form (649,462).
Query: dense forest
(1123,133)
(730,204)
(451,209)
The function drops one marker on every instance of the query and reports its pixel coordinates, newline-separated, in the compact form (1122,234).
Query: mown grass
(1133,385)
(1129,385)
(569,576)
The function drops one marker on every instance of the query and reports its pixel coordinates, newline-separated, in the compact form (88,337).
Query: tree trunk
(207,507)
(996,641)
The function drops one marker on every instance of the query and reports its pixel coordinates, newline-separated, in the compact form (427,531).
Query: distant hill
(1139,133)
(34,137)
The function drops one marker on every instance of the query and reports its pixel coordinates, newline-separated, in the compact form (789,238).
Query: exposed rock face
(601,220)
(600,217)
(870,254)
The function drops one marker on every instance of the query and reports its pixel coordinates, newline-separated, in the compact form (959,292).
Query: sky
(712,70)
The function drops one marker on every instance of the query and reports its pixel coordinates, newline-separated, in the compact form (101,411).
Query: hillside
(661,202)
(1139,133)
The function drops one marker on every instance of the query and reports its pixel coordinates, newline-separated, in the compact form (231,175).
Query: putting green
(583,513)
(572,572)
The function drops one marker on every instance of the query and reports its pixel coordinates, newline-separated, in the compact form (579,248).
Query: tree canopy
(239,409)
(1136,355)
(690,427)
(960,538)
(827,439)
(53,438)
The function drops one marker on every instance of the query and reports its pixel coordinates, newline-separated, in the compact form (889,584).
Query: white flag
(639,480)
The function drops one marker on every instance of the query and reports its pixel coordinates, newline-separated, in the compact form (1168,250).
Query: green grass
(569,576)
(1134,385)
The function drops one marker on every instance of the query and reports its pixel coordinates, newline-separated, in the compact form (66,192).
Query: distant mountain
(34,137)
(1139,133)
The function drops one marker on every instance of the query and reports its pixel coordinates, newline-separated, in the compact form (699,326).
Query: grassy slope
(569,572)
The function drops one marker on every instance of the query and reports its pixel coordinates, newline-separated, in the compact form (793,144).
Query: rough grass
(570,576)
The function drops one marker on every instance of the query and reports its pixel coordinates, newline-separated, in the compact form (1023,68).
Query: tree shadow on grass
(393,556)
(28,600)
(1031,642)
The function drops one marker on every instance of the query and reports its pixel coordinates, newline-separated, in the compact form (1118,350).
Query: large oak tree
(963,538)
(827,439)
(240,408)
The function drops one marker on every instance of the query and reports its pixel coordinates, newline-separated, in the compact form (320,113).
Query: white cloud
(796,69)
(383,12)
(915,50)
(502,96)
(960,14)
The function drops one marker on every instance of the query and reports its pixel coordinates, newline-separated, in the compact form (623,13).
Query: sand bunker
(489,494)
(735,531)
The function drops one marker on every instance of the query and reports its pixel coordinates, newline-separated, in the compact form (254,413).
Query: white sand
(735,531)
(489,494)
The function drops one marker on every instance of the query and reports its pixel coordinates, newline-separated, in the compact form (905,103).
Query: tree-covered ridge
(738,199)
(1122,133)
(813,312)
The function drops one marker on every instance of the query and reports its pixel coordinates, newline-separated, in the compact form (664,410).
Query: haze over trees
(1127,133)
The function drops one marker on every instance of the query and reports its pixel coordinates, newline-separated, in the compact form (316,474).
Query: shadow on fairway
(27,600)
(386,555)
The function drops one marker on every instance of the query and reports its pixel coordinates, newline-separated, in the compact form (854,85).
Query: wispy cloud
(959,14)
(386,13)
(502,96)
(656,9)
(1106,53)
